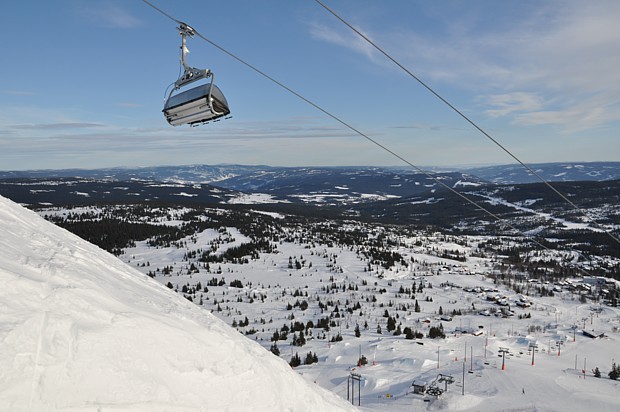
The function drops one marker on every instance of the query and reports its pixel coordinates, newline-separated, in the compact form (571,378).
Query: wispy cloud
(343,37)
(556,64)
(572,63)
(74,143)
(57,126)
(108,15)
(18,92)
(509,103)
(423,126)
(591,112)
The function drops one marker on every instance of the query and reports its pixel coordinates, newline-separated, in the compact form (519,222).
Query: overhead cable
(350,127)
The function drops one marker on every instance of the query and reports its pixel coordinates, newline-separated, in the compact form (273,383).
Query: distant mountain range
(551,172)
(253,178)
(479,200)
(337,186)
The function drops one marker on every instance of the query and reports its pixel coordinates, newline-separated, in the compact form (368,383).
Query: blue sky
(83,82)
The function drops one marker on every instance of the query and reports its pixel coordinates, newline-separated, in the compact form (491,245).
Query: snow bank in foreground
(80,330)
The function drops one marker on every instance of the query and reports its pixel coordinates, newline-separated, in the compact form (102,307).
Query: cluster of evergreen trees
(614,373)
(239,254)
(309,360)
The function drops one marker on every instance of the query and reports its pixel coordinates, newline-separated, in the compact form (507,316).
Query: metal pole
(471,358)
(533,347)
(351,379)
(359,391)
(575,361)
(184,50)
(465,350)
(463,388)
(584,368)
(503,352)
(486,342)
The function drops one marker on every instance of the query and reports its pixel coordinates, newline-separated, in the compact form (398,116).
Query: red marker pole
(503,352)
(533,347)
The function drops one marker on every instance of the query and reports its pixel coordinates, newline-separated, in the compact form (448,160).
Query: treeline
(114,228)
(113,235)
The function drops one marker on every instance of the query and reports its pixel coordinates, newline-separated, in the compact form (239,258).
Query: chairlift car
(200,104)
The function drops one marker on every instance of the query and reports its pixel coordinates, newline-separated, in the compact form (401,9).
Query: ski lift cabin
(199,104)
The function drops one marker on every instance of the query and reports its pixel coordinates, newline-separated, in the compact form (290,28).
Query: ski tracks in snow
(37,369)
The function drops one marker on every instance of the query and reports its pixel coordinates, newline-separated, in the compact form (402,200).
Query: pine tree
(391,324)
(295,360)
(301,340)
(310,358)
(357,331)
(615,372)
(274,349)
(436,332)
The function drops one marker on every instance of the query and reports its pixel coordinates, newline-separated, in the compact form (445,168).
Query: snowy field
(564,358)
(83,330)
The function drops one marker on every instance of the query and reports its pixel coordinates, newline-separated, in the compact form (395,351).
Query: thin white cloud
(570,64)
(19,92)
(586,114)
(57,126)
(556,64)
(100,144)
(341,37)
(108,15)
(509,103)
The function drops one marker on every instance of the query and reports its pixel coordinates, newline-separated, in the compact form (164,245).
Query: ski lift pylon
(199,104)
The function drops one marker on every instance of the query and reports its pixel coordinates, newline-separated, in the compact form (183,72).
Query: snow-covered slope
(80,330)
